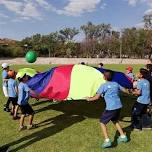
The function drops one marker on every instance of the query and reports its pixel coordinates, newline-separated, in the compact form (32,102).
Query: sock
(107,140)
(123,136)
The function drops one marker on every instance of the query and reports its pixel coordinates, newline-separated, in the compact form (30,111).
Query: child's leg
(22,120)
(136,116)
(15,111)
(31,119)
(12,110)
(104,130)
(6,106)
(119,128)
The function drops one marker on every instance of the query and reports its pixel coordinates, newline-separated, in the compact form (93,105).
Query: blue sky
(22,18)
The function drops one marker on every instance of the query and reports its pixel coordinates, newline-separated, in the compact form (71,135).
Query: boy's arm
(96,97)
(100,92)
(123,89)
(136,92)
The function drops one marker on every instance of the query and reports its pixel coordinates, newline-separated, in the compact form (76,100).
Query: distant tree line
(100,41)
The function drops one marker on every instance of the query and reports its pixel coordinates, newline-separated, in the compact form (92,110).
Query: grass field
(70,126)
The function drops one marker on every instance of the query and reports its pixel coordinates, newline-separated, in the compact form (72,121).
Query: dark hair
(21,79)
(144,73)
(101,64)
(83,63)
(149,67)
(108,75)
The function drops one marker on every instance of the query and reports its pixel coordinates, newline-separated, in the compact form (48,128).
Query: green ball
(31,56)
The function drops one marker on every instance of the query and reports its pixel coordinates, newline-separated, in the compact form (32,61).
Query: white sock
(107,140)
(123,136)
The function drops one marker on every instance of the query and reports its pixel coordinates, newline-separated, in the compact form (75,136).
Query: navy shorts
(112,115)
(13,100)
(26,109)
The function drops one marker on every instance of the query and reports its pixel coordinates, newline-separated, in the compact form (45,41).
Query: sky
(23,18)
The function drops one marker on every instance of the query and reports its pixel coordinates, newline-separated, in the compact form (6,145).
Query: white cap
(4,65)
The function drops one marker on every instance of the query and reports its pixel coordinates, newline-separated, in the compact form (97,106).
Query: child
(5,68)
(140,107)
(12,93)
(129,73)
(100,65)
(23,97)
(110,91)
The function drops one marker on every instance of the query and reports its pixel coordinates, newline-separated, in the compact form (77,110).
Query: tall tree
(68,33)
(148,21)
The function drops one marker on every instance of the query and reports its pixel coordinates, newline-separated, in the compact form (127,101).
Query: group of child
(110,92)
(18,95)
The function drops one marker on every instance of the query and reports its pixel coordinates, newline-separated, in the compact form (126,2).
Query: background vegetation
(100,41)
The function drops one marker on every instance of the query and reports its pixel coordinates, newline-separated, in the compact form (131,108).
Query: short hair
(149,67)
(21,79)
(108,75)
(144,73)
(101,64)
(83,63)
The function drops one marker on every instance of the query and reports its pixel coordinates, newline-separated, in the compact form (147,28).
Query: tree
(68,34)
(148,21)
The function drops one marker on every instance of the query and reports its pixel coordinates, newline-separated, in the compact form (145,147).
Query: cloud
(132,2)
(148,12)
(103,6)
(25,9)
(3,15)
(140,25)
(78,7)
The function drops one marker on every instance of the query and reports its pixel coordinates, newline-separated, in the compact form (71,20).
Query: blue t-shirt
(110,92)
(12,86)
(4,76)
(144,86)
(23,93)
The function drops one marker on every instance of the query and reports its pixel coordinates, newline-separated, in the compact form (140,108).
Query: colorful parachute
(71,82)
(28,71)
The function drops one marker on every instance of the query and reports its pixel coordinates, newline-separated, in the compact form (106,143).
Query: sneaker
(15,118)
(120,139)
(31,126)
(22,128)
(106,144)
(7,110)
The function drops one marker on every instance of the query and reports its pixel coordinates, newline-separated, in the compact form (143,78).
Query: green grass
(70,126)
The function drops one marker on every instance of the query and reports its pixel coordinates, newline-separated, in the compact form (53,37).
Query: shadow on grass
(127,130)
(74,112)
(59,123)
(88,109)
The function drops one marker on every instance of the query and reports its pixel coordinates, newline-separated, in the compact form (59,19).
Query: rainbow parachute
(71,82)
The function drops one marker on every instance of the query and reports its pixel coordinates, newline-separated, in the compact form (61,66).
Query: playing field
(70,126)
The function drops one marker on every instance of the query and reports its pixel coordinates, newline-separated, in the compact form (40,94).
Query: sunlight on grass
(71,126)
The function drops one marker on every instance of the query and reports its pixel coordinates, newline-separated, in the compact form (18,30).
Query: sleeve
(139,85)
(26,88)
(4,75)
(101,90)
